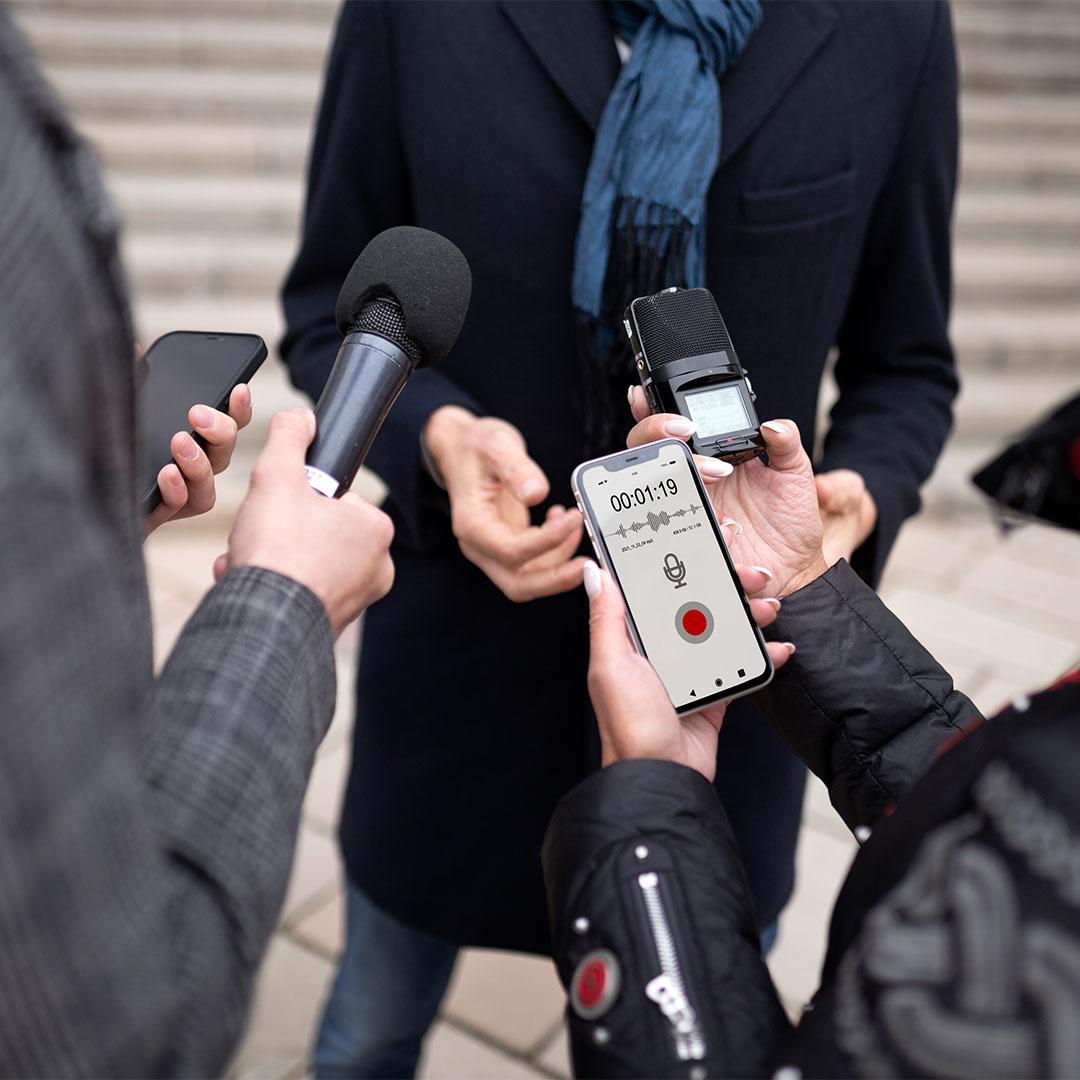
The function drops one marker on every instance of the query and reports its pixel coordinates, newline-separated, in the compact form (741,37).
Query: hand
(633,711)
(338,548)
(848,512)
(776,505)
(187,482)
(492,482)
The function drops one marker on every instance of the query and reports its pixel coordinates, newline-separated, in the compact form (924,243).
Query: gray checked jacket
(147,824)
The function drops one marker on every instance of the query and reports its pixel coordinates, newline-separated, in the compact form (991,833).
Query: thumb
(783,445)
(607,617)
(289,435)
(517,472)
(840,490)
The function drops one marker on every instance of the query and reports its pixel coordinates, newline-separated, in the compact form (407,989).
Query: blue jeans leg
(387,991)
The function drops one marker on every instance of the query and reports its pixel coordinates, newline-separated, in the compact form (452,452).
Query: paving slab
(452,1054)
(509,997)
(316,870)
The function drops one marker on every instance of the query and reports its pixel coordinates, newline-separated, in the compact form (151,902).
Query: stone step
(1017,339)
(1012,276)
(215,204)
(990,25)
(296,11)
(1018,118)
(993,217)
(994,406)
(1038,166)
(174,91)
(199,43)
(202,264)
(197,146)
(1020,67)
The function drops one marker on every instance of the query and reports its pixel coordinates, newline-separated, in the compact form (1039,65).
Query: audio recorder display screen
(682,595)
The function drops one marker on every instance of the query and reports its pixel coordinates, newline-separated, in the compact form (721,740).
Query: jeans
(388,988)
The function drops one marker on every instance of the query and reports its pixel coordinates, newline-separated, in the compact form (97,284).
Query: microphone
(401,307)
(675,570)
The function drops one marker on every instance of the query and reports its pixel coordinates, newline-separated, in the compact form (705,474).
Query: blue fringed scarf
(657,147)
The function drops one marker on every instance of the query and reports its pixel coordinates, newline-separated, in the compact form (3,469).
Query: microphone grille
(675,325)
(384,317)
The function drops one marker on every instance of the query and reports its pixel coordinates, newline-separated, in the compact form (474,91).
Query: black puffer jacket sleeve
(864,705)
(653,929)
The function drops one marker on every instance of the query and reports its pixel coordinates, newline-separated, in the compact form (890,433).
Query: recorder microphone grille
(676,324)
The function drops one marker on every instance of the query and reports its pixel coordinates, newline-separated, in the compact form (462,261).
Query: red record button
(595,984)
(694,622)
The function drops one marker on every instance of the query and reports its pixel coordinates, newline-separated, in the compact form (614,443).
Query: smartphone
(181,369)
(655,532)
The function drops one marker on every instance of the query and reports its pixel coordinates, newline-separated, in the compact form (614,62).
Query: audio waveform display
(656,521)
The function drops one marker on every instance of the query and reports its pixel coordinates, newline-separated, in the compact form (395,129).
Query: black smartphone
(654,531)
(181,369)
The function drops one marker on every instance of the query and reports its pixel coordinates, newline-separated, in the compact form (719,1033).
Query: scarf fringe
(649,250)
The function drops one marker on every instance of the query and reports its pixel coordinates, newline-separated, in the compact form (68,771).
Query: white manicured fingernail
(790,646)
(775,425)
(630,395)
(731,523)
(763,570)
(771,600)
(593,581)
(715,467)
(680,427)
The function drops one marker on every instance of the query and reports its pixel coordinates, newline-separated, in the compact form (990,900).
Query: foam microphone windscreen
(425,273)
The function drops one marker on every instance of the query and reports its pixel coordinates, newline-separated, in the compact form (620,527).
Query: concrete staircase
(202,111)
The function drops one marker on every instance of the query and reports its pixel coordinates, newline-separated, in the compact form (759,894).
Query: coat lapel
(790,35)
(575,44)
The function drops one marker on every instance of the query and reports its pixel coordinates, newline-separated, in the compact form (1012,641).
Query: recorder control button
(694,622)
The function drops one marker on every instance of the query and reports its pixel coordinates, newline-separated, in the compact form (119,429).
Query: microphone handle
(367,377)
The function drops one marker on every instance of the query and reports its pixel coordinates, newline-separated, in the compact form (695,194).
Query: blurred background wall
(202,113)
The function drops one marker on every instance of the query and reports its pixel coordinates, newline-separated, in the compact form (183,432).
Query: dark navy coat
(828,225)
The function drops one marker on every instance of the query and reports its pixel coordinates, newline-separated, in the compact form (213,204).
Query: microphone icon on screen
(675,570)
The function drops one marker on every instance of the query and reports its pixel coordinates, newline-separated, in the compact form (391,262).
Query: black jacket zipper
(668,989)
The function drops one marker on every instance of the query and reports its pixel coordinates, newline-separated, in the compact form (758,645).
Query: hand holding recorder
(776,505)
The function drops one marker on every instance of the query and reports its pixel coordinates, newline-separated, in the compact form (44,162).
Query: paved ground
(1003,615)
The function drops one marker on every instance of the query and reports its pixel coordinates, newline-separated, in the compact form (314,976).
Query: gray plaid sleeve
(240,707)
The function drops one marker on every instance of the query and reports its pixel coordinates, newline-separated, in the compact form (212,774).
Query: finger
(608,636)
(660,426)
(639,403)
(240,405)
(839,491)
(765,610)
(783,445)
(712,470)
(509,463)
(219,433)
(196,470)
(779,653)
(282,458)
(221,565)
(557,555)
(521,587)
(754,579)
(513,548)
(174,497)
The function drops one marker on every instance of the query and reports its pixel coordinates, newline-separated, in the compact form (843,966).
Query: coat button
(595,984)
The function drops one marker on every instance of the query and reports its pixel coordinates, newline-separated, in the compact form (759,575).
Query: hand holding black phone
(185,368)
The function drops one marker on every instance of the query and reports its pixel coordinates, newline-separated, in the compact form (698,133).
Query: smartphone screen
(182,369)
(648,513)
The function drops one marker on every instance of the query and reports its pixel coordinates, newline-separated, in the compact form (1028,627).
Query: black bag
(1039,475)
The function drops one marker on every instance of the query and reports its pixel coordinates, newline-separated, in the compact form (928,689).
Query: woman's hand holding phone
(776,504)
(633,711)
(187,483)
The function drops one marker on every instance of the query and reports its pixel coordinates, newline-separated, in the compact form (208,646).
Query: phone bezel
(616,463)
(151,497)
